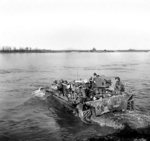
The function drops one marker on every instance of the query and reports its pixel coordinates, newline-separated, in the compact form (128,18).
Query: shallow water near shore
(25,117)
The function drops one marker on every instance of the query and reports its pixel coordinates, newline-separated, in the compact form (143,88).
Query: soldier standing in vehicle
(94,76)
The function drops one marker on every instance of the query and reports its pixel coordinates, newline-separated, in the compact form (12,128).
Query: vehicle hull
(97,107)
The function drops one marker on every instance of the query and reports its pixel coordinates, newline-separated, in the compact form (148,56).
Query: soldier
(94,76)
(119,87)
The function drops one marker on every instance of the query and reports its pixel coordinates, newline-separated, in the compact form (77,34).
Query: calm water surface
(27,118)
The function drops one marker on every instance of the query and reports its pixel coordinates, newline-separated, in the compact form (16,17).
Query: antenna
(77,73)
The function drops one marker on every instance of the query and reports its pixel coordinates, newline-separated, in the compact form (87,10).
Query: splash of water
(40,93)
(107,121)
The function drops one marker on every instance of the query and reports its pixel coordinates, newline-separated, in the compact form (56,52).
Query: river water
(27,118)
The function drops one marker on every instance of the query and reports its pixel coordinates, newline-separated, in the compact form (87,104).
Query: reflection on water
(23,117)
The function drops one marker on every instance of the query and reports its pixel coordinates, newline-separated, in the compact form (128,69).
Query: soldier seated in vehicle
(119,87)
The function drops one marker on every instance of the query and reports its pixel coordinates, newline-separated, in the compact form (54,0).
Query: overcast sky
(75,24)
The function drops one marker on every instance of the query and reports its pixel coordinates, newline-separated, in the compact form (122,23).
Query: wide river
(27,118)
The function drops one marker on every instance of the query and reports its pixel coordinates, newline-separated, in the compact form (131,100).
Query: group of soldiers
(96,87)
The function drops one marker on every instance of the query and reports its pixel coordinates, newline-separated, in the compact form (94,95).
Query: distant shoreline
(69,51)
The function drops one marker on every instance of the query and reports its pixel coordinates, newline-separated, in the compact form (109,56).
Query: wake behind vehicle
(91,98)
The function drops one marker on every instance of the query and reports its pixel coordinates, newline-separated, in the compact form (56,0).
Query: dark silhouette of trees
(93,50)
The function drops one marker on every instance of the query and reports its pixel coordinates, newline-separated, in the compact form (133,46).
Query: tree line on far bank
(8,49)
(29,49)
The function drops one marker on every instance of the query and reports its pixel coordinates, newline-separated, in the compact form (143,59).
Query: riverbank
(68,51)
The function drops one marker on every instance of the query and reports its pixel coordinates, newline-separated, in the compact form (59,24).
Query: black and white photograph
(74,70)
